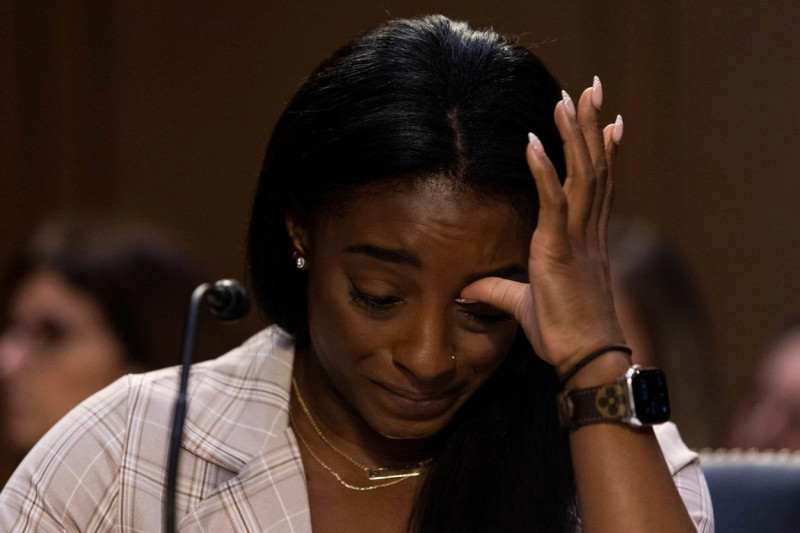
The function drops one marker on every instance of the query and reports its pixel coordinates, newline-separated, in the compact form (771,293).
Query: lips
(414,403)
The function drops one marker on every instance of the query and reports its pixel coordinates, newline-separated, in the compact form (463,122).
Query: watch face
(649,387)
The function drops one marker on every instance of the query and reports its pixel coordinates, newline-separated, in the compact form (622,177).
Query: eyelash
(372,302)
(487,318)
(379,304)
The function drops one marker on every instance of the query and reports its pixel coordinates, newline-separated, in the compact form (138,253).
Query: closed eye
(373,302)
(484,314)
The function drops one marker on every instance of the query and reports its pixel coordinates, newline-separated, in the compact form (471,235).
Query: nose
(426,352)
(12,357)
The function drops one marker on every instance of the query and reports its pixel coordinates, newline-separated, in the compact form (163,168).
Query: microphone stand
(228,301)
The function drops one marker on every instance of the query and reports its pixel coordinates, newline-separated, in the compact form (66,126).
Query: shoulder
(220,390)
(676,453)
(684,465)
(117,439)
(236,401)
(61,485)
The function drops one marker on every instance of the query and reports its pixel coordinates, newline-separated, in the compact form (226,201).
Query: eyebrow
(398,257)
(404,257)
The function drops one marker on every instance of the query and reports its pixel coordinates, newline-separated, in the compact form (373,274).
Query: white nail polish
(465,301)
(568,105)
(616,135)
(536,144)
(597,93)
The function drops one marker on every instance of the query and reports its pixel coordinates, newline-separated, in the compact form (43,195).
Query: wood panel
(162,110)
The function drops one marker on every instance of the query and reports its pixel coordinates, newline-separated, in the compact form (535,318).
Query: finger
(589,120)
(552,219)
(610,133)
(580,183)
(504,294)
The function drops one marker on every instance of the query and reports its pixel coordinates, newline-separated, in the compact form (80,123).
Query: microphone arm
(228,301)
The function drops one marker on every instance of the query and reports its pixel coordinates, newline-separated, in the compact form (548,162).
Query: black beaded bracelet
(594,355)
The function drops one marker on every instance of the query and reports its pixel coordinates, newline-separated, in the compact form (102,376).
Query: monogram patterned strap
(606,403)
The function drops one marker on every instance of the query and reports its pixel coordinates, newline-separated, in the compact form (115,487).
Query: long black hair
(409,100)
(140,277)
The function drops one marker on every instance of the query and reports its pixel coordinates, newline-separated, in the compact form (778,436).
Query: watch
(639,398)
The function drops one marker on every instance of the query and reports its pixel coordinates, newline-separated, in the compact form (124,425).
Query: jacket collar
(246,431)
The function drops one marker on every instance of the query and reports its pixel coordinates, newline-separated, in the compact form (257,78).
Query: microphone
(228,301)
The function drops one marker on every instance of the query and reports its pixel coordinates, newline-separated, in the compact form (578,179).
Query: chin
(413,431)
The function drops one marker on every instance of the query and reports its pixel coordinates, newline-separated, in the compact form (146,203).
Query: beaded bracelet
(594,355)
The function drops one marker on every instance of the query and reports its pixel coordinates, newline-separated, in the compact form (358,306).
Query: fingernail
(536,143)
(465,301)
(616,135)
(568,105)
(597,93)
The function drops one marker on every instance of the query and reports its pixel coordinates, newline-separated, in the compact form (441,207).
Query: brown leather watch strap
(604,403)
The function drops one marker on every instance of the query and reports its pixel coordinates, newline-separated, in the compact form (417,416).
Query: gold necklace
(373,474)
(341,481)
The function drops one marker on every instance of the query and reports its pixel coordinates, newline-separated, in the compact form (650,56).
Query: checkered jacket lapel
(248,434)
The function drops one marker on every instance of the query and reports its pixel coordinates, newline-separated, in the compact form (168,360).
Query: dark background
(161,110)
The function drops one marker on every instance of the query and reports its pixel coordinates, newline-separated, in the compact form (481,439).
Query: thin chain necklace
(373,474)
(341,481)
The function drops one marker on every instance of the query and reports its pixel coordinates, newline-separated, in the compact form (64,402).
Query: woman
(666,321)
(389,244)
(89,303)
(768,415)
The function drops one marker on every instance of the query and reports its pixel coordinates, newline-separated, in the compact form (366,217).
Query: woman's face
(774,421)
(393,345)
(57,351)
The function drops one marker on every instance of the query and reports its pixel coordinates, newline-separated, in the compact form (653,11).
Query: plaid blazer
(102,468)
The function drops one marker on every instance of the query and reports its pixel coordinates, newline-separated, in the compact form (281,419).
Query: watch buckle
(566,409)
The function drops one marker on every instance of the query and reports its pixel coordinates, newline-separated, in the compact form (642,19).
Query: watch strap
(593,405)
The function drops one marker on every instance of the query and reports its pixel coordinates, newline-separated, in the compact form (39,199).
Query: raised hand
(567,308)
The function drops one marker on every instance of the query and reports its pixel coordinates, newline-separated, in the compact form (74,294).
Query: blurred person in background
(769,417)
(666,321)
(87,303)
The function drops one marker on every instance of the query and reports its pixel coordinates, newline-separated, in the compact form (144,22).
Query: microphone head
(228,300)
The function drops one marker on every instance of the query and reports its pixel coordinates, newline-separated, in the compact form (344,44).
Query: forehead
(427,217)
(45,292)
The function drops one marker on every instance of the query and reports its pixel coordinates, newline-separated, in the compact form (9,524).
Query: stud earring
(299,261)
(453,357)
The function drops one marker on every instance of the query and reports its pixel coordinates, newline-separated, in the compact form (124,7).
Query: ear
(297,229)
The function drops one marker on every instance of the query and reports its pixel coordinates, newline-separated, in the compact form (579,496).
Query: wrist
(604,368)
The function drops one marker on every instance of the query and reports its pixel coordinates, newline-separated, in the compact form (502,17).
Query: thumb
(506,295)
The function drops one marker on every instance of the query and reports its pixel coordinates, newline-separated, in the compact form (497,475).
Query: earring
(299,261)
(453,357)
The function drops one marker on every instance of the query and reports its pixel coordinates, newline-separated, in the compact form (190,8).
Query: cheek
(84,368)
(338,332)
(111,364)
(53,383)
(482,354)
